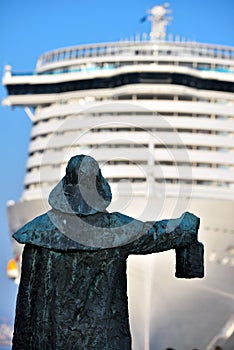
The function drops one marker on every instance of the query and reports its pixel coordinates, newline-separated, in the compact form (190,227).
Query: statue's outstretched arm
(166,234)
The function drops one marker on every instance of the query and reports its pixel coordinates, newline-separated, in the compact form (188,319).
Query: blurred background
(30,28)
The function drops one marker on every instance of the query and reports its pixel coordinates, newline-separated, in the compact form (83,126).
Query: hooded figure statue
(73,288)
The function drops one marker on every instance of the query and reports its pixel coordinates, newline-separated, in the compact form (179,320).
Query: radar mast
(158,16)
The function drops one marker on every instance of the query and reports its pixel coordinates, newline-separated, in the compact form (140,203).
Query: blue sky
(29,28)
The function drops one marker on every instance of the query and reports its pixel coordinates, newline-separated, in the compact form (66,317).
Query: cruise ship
(157,113)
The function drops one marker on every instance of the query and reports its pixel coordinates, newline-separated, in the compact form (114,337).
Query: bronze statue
(73,289)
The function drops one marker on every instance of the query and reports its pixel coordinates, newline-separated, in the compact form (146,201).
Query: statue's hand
(184,230)
(190,222)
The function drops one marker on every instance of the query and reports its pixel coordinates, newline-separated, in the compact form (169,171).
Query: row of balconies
(153,123)
(196,190)
(116,108)
(134,139)
(193,157)
(141,172)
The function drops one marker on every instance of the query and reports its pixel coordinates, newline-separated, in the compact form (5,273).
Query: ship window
(165,97)
(185,115)
(222,133)
(221,116)
(140,179)
(203,66)
(222,149)
(186,182)
(221,166)
(186,64)
(185,98)
(201,99)
(183,130)
(163,62)
(164,162)
(185,164)
(125,97)
(125,162)
(205,132)
(145,97)
(204,148)
(204,165)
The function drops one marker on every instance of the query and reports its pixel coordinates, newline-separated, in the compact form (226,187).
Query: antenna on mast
(158,16)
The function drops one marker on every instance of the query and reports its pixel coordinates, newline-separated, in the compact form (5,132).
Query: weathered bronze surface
(73,289)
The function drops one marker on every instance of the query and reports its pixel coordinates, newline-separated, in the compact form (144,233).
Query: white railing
(135,48)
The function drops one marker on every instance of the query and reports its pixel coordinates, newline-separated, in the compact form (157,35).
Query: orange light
(12,269)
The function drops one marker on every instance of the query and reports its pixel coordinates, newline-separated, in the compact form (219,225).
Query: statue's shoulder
(34,227)
(44,231)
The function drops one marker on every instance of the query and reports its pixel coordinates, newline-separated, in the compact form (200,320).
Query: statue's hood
(83,190)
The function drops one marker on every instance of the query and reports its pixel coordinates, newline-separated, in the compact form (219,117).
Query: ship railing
(135,48)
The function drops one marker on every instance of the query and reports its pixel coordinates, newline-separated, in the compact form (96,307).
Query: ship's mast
(158,16)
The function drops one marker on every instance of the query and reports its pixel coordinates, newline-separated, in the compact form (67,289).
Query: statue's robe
(73,288)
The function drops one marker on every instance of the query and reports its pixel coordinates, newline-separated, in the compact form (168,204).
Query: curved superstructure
(159,117)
